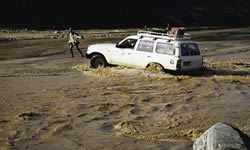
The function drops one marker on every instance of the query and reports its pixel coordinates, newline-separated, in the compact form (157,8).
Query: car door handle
(149,56)
(129,53)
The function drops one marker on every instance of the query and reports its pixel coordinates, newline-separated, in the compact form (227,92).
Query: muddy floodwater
(49,100)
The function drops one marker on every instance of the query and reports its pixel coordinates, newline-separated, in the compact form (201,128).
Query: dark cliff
(123,14)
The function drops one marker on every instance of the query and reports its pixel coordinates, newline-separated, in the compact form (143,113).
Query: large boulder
(220,137)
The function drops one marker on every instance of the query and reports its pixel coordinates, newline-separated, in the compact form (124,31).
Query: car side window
(146,46)
(129,43)
(165,48)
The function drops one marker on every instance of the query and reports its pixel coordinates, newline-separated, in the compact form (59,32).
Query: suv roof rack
(166,36)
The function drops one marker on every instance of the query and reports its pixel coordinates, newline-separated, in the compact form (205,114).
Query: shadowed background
(123,14)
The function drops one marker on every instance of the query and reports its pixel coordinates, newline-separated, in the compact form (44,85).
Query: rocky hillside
(123,14)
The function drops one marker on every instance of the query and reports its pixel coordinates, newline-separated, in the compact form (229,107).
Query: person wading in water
(74,41)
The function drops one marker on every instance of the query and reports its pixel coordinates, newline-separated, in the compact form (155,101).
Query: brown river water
(52,101)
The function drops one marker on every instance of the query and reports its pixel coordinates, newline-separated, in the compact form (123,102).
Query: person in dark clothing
(74,41)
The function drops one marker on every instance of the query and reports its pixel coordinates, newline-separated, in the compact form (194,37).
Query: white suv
(146,48)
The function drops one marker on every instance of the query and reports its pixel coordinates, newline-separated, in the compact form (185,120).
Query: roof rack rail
(166,36)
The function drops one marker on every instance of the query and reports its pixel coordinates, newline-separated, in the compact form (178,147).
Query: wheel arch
(150,63)
(156,67)
(89,56)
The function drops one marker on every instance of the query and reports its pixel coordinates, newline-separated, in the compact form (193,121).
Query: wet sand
(50,101)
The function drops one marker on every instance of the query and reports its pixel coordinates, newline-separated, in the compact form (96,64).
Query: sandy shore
(50,101)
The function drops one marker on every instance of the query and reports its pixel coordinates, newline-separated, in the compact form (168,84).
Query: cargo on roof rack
(175,34)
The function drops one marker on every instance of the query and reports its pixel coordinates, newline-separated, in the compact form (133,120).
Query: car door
(143,53)
(122,54)
(190,55)
(165,54)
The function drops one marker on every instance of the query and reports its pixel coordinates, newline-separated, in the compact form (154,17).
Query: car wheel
(98,61)
(155,67)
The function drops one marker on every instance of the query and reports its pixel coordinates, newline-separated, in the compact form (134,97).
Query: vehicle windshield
(189,49)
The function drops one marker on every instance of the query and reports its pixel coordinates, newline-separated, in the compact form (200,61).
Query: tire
(98,61)
(155,67)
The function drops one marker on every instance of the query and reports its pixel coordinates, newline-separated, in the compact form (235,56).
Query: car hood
(101,46)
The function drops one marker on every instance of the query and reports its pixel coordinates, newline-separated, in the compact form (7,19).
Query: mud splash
(122,71)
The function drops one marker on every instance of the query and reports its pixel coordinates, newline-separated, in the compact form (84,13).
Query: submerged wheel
(155,67)
(98,61)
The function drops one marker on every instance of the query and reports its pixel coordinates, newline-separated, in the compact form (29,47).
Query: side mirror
(117,45)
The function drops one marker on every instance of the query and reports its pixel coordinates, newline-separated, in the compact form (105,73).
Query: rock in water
(219,137)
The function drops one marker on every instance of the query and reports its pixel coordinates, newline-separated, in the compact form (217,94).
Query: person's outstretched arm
(79,36)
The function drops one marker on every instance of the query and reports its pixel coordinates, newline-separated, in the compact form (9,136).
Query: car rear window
(165,48)
(190,49)
(146,46)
